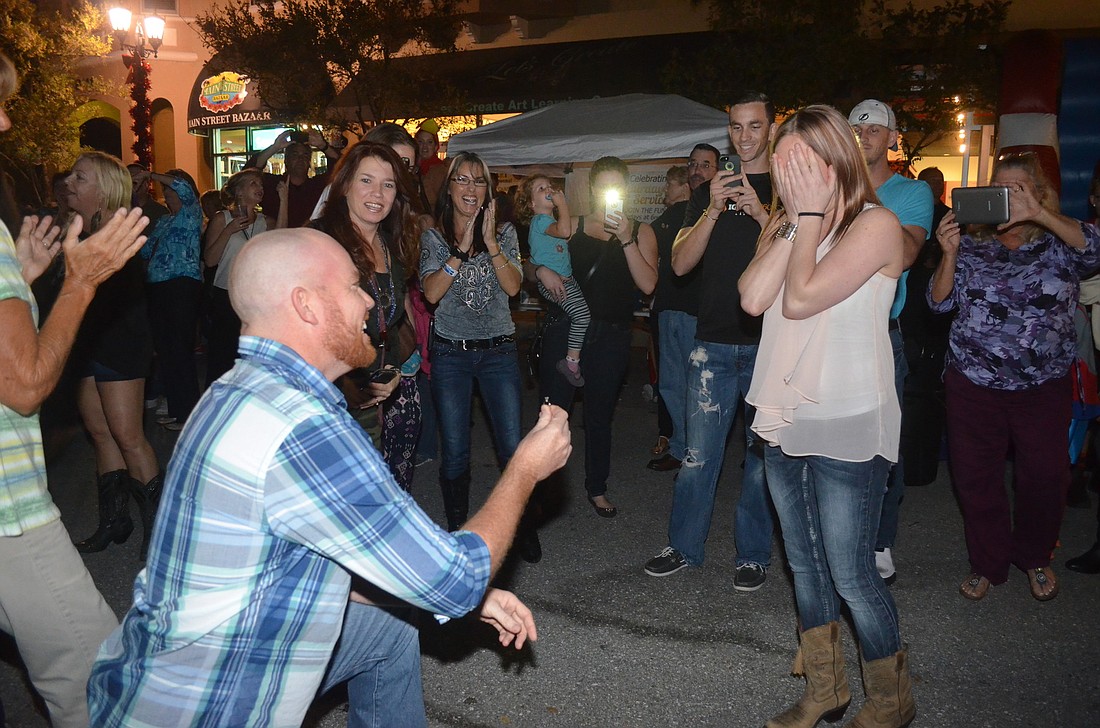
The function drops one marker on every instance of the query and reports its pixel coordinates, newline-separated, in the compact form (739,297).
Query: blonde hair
(525,193)
(111,179)
(827,132)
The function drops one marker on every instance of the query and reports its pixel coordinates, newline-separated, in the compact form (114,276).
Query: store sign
(226,100)
(223,92)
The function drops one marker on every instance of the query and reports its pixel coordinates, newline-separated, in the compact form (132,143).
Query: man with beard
(674,311)
(274,494)
(721,225)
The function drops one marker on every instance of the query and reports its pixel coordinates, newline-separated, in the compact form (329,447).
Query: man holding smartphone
(911,200)
(721,225)
(303,191)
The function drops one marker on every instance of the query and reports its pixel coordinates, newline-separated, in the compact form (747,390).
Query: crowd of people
(348,312)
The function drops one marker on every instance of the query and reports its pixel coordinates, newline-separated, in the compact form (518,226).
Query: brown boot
(889,693)
(821,659)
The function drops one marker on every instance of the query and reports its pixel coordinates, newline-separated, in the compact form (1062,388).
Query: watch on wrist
(787,231)
(460,254)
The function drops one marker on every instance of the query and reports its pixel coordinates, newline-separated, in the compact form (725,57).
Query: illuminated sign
(218,94)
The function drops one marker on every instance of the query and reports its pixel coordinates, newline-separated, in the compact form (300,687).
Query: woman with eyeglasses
(1011,346)
(470,268)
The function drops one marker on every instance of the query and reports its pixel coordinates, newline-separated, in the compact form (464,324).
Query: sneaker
(572,373)
(667,562)
(749,577)
(884,562)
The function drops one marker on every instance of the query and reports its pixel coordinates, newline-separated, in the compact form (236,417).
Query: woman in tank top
(614,261)
(227,233)
(824,276)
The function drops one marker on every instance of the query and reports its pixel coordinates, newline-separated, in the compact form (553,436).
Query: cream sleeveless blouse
(825,385)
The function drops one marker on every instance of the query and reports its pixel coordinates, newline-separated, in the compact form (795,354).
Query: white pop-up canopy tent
(646,130)
(631,127)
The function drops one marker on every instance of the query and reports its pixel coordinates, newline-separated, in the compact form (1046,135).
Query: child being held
(537,200)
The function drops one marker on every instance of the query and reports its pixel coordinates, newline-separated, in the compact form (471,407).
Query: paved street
(619,648)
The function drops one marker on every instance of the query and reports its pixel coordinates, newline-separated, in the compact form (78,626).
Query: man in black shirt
(722,223)
(672,316)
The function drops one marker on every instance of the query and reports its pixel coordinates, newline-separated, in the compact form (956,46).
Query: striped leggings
(576,307)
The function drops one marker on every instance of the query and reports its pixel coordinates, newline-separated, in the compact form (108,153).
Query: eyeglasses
(409,164)
(699,165)
(462,181)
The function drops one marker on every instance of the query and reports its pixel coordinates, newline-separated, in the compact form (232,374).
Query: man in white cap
(911,200)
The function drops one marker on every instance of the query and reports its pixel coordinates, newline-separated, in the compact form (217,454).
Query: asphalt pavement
(619,648)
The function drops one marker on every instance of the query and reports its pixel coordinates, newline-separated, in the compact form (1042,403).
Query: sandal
(975,587)
(1043,578)
(661,447)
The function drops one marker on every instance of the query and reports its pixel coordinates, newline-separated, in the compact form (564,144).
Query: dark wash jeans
(604,362)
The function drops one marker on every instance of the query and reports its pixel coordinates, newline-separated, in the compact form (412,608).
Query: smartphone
(612,205)
(730,163)
(980,205)
(383,376)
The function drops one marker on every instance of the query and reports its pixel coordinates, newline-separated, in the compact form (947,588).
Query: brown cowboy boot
(821,659)
(889,693)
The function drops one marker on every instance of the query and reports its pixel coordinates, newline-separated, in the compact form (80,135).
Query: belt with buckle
(477,344)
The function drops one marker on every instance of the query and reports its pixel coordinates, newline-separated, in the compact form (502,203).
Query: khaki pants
(58,618)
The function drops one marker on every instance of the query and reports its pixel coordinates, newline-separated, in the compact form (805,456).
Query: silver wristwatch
(787,231)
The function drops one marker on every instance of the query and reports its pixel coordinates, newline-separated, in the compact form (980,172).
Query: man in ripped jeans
(722,223)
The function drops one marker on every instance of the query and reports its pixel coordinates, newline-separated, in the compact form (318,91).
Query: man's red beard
(351,346)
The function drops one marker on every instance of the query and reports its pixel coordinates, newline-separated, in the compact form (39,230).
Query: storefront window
(232,148)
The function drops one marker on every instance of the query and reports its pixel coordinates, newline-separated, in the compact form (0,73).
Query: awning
(527,77)
(632,127)
(224,99)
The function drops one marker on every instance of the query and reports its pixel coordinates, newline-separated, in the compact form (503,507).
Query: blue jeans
(718,380)
(828,510)
(378,656)
(895,484)
(454,371)
(677,334)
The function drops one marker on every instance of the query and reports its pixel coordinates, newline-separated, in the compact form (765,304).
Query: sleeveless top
(236,242)
(825,385)
(610,291)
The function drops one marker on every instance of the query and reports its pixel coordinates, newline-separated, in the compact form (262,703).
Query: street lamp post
(134,56)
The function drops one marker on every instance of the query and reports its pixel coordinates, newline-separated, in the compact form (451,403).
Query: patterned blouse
(1014,327)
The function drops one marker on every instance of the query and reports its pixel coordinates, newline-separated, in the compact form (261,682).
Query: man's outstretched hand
(511,617)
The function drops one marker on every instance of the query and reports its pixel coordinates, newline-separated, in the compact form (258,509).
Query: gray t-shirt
(475,306)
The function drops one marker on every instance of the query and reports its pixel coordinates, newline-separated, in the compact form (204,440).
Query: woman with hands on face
(469,268)
(824,277)
(1008,382)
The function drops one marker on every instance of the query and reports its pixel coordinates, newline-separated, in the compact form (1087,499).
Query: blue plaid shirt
(272,492)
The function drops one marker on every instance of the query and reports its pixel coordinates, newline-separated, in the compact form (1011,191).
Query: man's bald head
(273,264)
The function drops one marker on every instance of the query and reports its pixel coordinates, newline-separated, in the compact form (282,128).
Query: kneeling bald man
(272,496)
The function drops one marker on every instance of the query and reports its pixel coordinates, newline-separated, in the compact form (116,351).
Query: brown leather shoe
(664,463)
